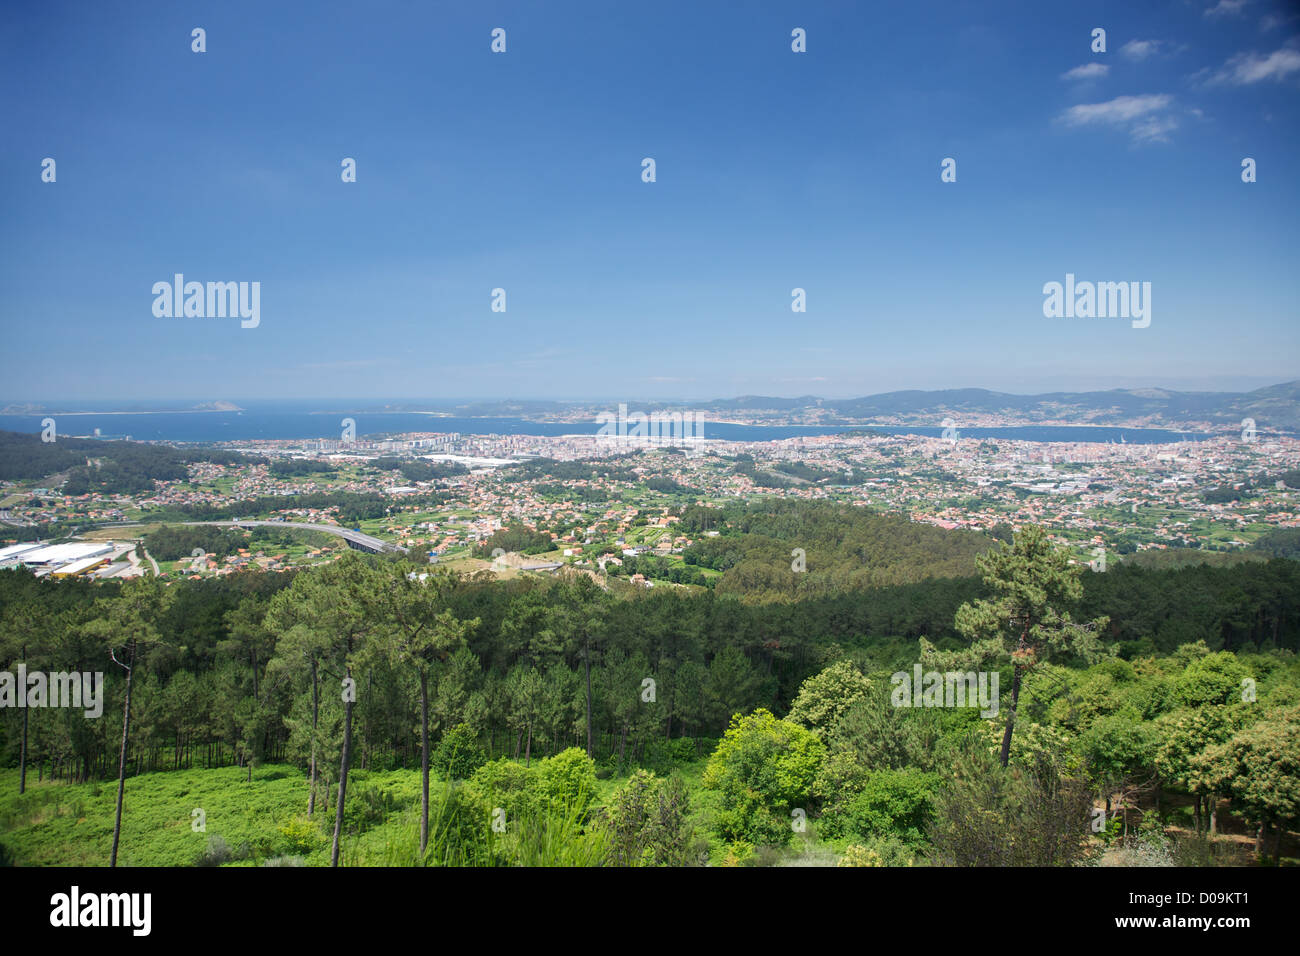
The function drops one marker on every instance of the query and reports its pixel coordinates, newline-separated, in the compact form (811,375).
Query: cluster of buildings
(1085,493)
(72,559)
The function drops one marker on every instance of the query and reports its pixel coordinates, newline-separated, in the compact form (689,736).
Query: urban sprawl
(1100,499)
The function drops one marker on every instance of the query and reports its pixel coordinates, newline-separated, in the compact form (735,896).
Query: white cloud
(1247,68)
(1155,129)
(1226,7)
(1120,110)
(1089,71)
(1140,49)
(1145,117)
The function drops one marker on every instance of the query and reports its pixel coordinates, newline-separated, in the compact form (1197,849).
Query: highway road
(355,539)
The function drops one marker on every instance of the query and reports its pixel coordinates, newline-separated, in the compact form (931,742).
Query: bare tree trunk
(586,660)
(343,779)
(315,715)
(22,752)
(424,761)
(1011,715)
(121,760)
(22,757)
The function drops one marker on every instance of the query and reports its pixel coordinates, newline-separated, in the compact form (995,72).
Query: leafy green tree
(130,621)
(824,698)
(420,630)
(1118,750)
(583,625)
(1024,621)
(525,690)
(1181,738)
(28,635)
(1261,765)
(1211,680)
(332,608)
(879,734)
(763,770)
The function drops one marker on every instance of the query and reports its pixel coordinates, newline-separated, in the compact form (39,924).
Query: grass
(251,823)
(56,824)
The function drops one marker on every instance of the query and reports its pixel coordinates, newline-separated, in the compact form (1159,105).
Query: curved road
(355,539)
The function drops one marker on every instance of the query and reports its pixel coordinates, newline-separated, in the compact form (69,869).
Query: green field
(59,824)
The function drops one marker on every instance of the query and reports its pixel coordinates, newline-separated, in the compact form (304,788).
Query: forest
(671,726)
(352,506)
(110,467)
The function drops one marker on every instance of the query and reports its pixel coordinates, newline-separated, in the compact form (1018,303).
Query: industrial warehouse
(100,559)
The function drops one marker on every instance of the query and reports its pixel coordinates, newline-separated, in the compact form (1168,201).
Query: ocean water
(295,421)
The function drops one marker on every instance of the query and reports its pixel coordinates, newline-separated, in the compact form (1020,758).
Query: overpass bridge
(356,539)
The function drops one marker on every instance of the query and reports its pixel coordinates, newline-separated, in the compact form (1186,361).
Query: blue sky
(522,170)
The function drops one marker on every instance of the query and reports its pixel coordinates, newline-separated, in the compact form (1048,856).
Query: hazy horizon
(452,399)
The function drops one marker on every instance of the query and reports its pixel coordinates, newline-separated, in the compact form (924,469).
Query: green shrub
(648,820)
(764,770)
(505,784)
(568,780)
(299,836)
(897,803)
(457,755)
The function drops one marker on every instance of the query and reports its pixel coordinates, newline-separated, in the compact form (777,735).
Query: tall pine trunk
(315,716)
(586,660)
(1011,715)
(22,750)
(424,761)
(121,760)
(343,778)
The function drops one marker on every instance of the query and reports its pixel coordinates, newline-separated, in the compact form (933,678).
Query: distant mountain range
(1274,408)
(36,408)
